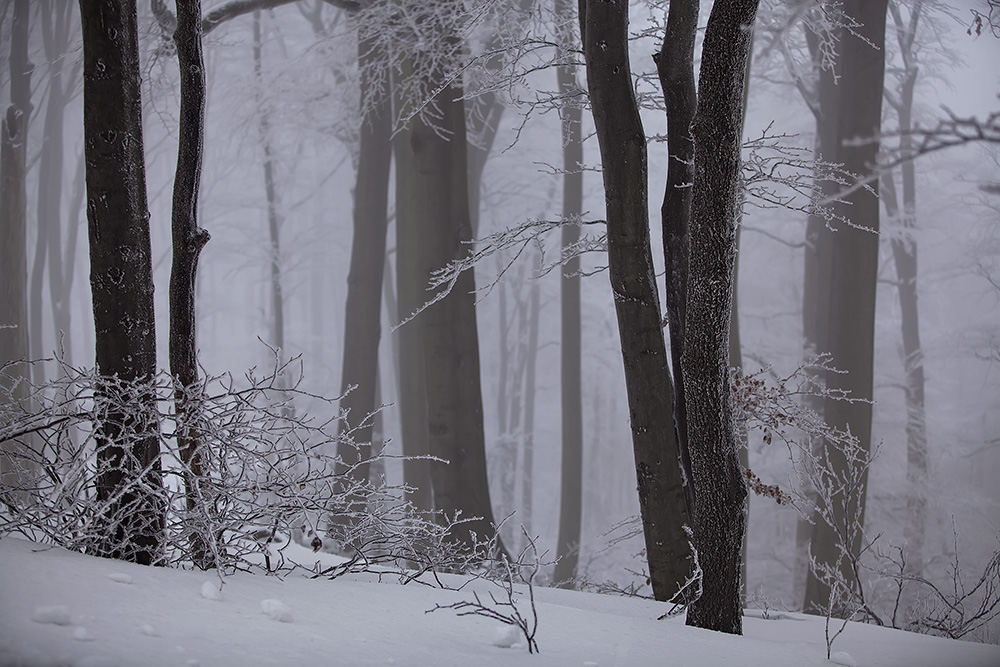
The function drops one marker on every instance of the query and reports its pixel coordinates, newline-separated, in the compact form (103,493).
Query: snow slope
(62,608)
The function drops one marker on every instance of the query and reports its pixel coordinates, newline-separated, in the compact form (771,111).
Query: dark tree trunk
(854,266)
(662,501)
(362,321)
(188,239)
(675,66)
(13,242)
(571,487)
(122,283)
(528,460)
(720,491)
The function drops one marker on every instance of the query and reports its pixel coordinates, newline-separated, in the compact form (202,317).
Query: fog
(308,90)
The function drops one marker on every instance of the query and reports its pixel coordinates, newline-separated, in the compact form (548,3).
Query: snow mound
(148,630)
(843,658)
(81,634)
(120,577)
(506,636)
(54,614)
(277,610)
(210,591)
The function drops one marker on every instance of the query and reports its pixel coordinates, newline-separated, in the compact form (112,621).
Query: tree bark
(273,222)
(188,239)
(675,67)
(720,490)
(571,345)
(662,501)
(122,283)
(853,274)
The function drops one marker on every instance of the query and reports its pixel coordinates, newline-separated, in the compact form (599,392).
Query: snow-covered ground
(62,608)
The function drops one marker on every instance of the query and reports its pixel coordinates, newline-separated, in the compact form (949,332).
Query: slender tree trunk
(188,239)
(528,459)
(571,486)
(273,222)
(14,346)
(675,67)
(853,275)
(720,490)
(362,320)
(662,501)
(904,253)
(410,290)
(122,283)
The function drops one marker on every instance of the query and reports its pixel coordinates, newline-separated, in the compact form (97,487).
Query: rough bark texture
(571,347)
(121,280)
(853,266)
(13,213)
(362,321)
(675,66)
(188,239)
(662,500)
(720,492)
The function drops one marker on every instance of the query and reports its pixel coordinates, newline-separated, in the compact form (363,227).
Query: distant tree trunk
(904,253)
(55,33)
(14,346)
(122,283)
(854,266)
(410,284)
(662,501)
(571,487)
(188,239)
(434,177)
(362,318)
(528,459)
(720,490)
(270,191)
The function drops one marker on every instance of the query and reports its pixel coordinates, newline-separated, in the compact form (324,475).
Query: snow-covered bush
(263,471)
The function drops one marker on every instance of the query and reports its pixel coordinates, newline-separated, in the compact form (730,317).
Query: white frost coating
(506,636)
(843,658)
(148,630)
(120,577)
(81,634)
(54,614)
(277,610)
(211,591)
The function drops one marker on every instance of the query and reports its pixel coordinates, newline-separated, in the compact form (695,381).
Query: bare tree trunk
(904,253)
(571,487)
(410,290)
(14,346)
(362,318)
(122,283)
(854,267)
(273,223)
(528,459)
(720,490)
(188,239)
(662,500)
